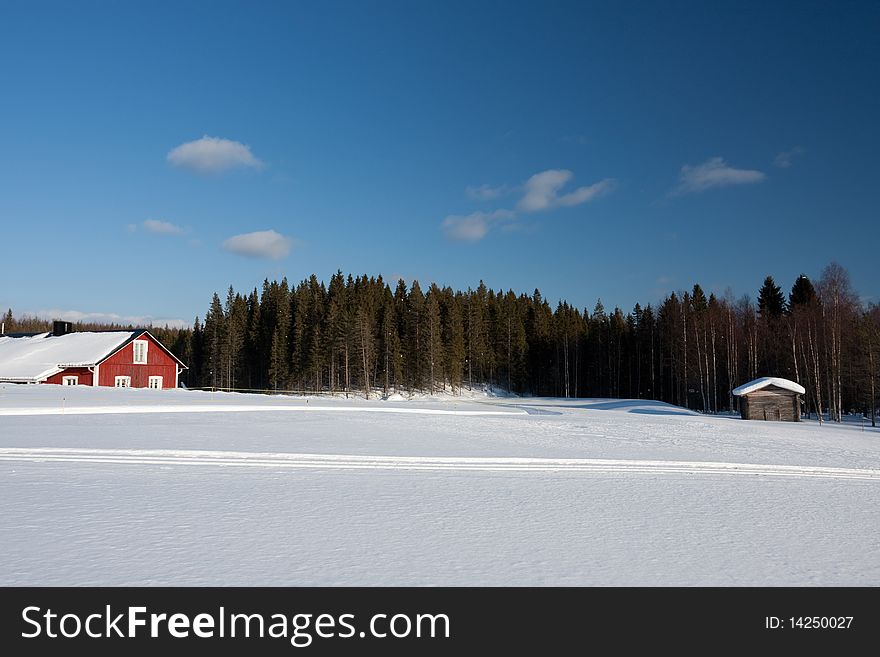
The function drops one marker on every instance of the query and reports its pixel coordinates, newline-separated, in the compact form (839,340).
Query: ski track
(248,408)
(458,464)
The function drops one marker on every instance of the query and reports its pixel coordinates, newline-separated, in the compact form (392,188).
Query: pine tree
(364,329)
(279,359)
(195,373)
(802,293)
(361,333)
(337,331)
(316,339)
(390,343)
(477,337)
(517,345)
(215,336)
(415,345)
(433,338)
(771,302)
(236,315)
(254,356)
(455,353)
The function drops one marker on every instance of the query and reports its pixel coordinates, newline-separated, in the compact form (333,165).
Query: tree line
(360,334)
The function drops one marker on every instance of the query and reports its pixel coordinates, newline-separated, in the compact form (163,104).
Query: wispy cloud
(542,191)
(162,227)
(486,192)
(260,244)
(475,226)
(213,155)
(714,172)
(106,318)
(786,158)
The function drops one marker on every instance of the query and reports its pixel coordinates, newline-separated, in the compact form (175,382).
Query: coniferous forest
(368,336)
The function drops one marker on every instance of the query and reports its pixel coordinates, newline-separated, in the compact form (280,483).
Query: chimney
(61,328)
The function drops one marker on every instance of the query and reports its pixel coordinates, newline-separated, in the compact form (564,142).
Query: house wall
(85,376)
(122,363)
(771,404)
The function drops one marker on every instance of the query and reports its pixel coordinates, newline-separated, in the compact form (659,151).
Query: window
(69,380)
(123,382)
(155,382)
(140,352)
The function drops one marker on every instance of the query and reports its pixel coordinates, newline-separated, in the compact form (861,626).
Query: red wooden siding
(159,363)
(85,377)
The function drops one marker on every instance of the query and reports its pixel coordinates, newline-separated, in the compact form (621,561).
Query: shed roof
(33,358)
(766,381)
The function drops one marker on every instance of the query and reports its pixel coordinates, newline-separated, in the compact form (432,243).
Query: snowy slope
(103,486)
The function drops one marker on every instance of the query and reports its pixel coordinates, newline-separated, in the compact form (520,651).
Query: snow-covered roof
(765,381)
(33,358)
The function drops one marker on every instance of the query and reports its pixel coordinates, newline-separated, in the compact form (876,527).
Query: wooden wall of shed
(771,404)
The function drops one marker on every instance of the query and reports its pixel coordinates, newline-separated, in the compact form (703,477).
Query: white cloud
(259,244)
(714,172)
(162,227)
(107,318)
(213,155)
(485,192)
(542,191)
(473,227)
(786,158)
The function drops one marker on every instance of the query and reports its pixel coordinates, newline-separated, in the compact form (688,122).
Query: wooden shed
(770,398)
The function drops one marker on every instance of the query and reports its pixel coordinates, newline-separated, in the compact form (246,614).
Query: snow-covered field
(143,487)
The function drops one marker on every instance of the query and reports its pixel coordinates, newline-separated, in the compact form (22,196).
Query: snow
(766,381)
(34,358)
(145,487)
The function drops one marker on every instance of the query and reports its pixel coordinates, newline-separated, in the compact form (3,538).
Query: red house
(122,359)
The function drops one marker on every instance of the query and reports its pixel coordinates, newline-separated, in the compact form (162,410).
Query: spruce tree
(415,345)
(195,373)
(433,338)
(215,336)
(771,301)
(392,362)
(455,353)
(253,352)
(802,293)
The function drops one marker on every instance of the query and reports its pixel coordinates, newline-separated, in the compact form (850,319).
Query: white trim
(70,380)
(124,380)
(134,348)
(154,339)
(158,379)
(95,375)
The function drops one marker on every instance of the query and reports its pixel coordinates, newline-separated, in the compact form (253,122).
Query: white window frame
(70,380)
(122,382)
(158,379)
(140,343)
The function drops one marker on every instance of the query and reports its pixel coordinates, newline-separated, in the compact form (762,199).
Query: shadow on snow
(638,406)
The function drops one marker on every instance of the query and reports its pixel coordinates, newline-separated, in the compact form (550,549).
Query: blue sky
(152,153)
